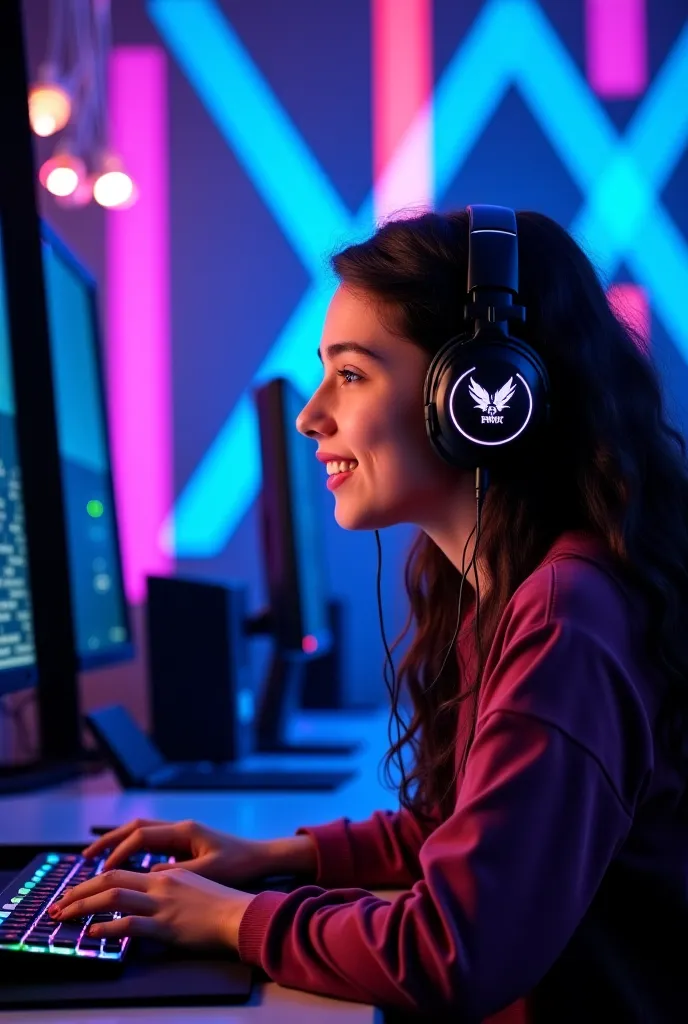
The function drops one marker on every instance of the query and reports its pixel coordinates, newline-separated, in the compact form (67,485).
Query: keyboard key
(135,863)
(67,935)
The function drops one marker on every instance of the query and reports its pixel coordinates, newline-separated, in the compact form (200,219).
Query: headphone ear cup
(485,397)
(441,362)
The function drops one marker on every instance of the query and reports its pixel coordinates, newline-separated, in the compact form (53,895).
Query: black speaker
(323,682)
(198,669)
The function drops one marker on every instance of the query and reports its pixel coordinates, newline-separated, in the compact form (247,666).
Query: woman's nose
(302,423)
(314,422)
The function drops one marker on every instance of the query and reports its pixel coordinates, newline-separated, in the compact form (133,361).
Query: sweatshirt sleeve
(383,851)
(505,880)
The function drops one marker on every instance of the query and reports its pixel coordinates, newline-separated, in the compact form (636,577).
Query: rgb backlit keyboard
(27,928)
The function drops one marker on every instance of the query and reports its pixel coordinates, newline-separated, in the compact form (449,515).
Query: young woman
(543,829)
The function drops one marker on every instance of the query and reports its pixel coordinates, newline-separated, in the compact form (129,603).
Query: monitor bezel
(126,651)
(56,688)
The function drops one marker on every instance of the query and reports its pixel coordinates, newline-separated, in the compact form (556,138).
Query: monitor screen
(17,652)
(99,605)
(292,529)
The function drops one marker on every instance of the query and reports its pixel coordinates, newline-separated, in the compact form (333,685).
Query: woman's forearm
(291,855)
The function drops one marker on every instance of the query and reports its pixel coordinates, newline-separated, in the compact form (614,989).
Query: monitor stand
(280,701)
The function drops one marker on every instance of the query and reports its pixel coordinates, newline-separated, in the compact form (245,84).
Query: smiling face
(369,409)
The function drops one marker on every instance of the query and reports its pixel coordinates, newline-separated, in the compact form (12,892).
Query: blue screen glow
(16,614)
(96,575)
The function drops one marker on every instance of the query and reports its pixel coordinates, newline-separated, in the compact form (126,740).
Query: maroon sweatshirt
(554,889)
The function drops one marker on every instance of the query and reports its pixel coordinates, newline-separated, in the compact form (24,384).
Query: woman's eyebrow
(339,347)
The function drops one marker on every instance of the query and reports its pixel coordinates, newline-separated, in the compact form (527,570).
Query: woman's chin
(358,518)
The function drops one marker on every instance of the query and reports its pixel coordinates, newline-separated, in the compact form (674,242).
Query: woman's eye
(349,376)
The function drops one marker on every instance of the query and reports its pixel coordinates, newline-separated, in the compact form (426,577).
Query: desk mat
(153,974)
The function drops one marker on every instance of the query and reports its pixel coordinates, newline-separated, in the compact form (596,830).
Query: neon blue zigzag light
(510,43)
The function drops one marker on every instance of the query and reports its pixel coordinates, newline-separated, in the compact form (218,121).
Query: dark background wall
(235,279)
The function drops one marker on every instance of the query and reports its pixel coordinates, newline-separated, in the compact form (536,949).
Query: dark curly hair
(615,467)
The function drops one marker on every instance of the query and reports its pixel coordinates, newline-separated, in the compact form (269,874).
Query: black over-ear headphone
(487,394)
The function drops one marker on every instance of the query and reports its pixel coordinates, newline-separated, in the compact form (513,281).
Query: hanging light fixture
(62,173)
(71,89)
(50,100)
(50,104)
(112,186)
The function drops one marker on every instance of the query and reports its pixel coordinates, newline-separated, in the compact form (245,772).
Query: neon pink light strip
(402,72)
(616,36)
(631,303)
(138,318)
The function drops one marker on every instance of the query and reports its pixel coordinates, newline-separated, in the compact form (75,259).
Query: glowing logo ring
(475,440)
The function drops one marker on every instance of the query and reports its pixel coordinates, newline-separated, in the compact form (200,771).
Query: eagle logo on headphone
(493,404)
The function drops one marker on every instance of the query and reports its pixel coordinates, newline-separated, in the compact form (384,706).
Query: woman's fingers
(110,839)
(156,838)
(130,925)
(126,901)
(119,880)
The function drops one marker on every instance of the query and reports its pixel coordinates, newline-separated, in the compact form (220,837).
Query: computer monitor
(291,529)
(299,616)
(60,746)
(17,649)
(101,617)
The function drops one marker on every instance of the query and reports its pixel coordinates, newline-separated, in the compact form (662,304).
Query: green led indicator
(24,891)
(95,508)
(16,899)
(29,885)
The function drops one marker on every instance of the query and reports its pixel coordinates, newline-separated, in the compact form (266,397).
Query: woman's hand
(176,906)
(216,855)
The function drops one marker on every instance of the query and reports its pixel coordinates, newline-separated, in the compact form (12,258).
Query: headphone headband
(492,249)
(487,392)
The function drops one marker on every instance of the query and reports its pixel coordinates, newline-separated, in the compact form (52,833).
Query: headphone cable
(481,485)
(482,482)
(391,687)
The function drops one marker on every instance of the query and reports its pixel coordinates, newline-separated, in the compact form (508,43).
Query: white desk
(66,813)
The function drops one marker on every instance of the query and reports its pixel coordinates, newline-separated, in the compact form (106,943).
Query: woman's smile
(335,480)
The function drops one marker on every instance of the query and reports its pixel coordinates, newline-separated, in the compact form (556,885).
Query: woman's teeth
(340,467)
